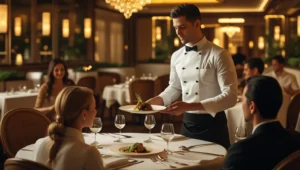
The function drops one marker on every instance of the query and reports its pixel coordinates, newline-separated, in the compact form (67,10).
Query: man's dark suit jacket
(263,150)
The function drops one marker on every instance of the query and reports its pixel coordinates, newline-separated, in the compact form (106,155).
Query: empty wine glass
(167,133)
(95,128)
(240,133)
(149,123)
(120,124)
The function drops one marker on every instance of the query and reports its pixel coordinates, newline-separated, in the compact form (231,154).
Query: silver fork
(154,159)
(165,159)
(190,147)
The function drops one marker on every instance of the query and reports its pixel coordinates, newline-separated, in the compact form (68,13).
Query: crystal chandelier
(230,30)
(128,6)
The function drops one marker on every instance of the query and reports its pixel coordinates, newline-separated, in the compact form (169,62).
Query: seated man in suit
(270,142)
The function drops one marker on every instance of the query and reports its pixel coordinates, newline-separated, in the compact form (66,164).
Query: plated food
(142,106)
(135,148)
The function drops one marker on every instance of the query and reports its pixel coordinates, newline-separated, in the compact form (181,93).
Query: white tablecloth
(15,100)
(116,93)
(192,159)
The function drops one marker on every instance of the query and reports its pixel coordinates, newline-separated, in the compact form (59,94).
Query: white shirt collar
(200,44)
(262,123)
(74,133)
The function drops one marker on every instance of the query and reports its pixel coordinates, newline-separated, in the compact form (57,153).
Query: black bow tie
(194,48)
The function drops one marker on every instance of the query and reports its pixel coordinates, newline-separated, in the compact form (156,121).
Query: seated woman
(64,148)
(57,80)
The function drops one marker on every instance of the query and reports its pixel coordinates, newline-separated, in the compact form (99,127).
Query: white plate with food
(132,109)
(136,149)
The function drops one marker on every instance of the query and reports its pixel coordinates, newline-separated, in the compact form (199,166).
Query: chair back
(293,112)
(145,88)
(106,79)
(291,162)
(89,82)
(23,164)
(161,83)
(22,127)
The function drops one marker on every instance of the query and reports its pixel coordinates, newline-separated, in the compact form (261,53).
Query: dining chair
(89,82)
(106,79)
(144,88)
(293,112)
(21,127)
(23,164)
(161,83)
(291,162)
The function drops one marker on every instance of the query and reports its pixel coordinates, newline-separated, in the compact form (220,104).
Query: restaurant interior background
(99,35)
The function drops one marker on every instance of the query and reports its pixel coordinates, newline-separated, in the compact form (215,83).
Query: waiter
(205,76)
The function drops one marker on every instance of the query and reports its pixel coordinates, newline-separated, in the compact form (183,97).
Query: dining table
(16,99)
(201,154)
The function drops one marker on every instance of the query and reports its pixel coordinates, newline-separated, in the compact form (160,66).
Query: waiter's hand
(176,108)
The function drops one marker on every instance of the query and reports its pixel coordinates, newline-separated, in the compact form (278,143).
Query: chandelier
(230,30)
(128,6)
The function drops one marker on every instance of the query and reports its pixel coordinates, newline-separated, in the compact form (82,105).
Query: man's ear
(198,23)
(252,107)
(255,71)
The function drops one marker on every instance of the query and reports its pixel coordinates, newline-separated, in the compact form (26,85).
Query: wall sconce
(19,60)
(251,44)
(176,42)
(298,25)
(216,41)
(87,27)
(281,40)
(3,18)
(18,26)
(158,33)
(261,42)
(277,32)
(46,23)
(65,28)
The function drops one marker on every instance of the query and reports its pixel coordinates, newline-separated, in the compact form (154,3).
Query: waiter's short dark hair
(256,63)
(279,59)
(190,11)
(266,93)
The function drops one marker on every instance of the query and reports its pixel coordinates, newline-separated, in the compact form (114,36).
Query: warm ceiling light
(3,18)
(274,16)
(65,28)
(184,1)
(231,20)
(230,30)
(87,28)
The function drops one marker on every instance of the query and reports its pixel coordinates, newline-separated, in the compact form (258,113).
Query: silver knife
(126,165)
(126,136)
(207,153)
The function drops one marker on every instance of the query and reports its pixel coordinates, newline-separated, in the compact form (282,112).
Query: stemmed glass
(167,133)
(120,124)
(149,123)
(95,128)
(240,133)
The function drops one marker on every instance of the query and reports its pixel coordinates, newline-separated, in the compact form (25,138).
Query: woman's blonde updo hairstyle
(68,106)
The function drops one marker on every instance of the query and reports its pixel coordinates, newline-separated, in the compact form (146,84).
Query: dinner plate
(129,108)
(153,149)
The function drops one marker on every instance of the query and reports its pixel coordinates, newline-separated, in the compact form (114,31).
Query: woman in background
(57,80)
(64,148)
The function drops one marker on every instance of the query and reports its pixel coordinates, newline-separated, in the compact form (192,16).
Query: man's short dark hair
(279,59)
(256,63)
(266,93)
(190,11)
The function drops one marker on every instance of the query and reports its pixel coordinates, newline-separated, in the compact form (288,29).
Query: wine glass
(167,133)
(149,123)
(95,128)
(120,124)
(240,133)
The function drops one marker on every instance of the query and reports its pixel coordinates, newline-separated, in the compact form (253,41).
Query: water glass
(167,133)
(240,133)
(120,124)
(95,128)
(149,124)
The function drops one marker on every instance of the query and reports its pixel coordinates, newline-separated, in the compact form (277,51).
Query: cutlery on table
(156,160)
(105,134)
(126,136)
(193,146)
(207,153)
(131,162)
(176,162)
